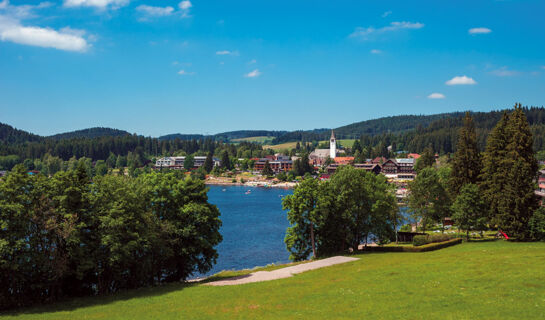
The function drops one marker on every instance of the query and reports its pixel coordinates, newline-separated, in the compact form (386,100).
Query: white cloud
(155,11)
(436,95)
(543,67)
(504,72)
(184,5)
(22,11)
(365,33)
(253,74)
(376,51)
(226,53)
(460,80)
(66,39)
(387,13)
(185,73)
(479,30)
(100,4)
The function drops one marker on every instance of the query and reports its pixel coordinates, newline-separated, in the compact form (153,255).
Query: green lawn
(257,139)
(488,280)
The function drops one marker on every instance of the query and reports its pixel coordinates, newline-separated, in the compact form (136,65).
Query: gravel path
(281,273)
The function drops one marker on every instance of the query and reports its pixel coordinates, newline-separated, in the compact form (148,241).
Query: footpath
(281,273)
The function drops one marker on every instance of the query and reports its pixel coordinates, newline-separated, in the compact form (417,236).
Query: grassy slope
(259,139)
(492,280)
(291,145)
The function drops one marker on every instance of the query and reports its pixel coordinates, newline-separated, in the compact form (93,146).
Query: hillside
(459,282)
(90,133)
(11,135)
(226,136)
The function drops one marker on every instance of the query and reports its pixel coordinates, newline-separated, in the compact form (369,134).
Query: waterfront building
(177,163)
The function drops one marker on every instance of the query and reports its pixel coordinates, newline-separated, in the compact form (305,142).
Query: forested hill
(11,135)
(393,124)
(226,136)
(90,133)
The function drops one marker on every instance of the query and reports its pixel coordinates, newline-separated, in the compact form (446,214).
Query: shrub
(420,240)
(438,237)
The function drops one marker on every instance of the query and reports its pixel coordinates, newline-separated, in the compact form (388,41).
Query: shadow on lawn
(71,304)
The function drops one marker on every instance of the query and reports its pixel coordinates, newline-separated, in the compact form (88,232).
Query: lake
(253,226)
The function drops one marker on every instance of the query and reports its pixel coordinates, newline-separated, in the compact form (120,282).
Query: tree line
(67,235)
(334,215)
(493,189)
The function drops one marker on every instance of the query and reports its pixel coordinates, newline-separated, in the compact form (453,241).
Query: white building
(332,146)
(178,162)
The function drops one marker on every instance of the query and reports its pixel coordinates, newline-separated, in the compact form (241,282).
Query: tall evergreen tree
(225,160)
(267,170)
(466,163)
(208,163)
(495,163)
(519,200)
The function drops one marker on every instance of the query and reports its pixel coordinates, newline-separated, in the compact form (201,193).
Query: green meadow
(486,280)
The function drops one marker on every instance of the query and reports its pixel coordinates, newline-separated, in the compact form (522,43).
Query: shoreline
(262,184)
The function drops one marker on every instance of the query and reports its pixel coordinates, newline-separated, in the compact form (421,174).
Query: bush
(537,225)
(420,240)
(438,237)
(422,248)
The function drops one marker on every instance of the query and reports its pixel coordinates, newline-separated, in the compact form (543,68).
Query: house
(3,173)
(379,160)
(318,157)
(278,163)
(177,163)
(371,167)
(413,155)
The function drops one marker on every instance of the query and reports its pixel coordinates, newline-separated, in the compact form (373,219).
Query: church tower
(332,146)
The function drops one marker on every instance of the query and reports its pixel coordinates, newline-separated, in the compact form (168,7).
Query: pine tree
(466,163)
(495,167)
(267,171)
(225,160)
(208,163)
(519,201)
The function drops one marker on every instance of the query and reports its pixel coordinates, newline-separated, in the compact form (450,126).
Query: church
(319,156)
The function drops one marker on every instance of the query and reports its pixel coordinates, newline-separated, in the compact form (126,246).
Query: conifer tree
(466,163)
(519,200)
(267,171)
(494,171)
(208,163)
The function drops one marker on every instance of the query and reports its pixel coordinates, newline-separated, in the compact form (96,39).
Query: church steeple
(332,146)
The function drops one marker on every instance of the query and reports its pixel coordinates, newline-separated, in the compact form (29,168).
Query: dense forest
(91,133)
(403,133)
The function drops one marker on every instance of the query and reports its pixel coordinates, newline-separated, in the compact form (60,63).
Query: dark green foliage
(66,236)
(341,212)
(208,162)
(469,209)
(426,160)
(428,198)
(189,162)
(267,170)
(8,162)
(537,225)
(509,171)
(91,133)
(466,164)
(419,240)
(226,161)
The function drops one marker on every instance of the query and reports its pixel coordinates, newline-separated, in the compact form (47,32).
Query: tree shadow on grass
(71,304)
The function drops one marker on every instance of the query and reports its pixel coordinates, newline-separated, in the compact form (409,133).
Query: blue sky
(159,67)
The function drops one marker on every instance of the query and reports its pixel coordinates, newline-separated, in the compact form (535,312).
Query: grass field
(347,143)
(259,139)
(489,280)
(282,146)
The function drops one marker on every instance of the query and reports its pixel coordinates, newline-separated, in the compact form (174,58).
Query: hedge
(423,248)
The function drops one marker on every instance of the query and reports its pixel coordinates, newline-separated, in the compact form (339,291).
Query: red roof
(344,160)
(413,155)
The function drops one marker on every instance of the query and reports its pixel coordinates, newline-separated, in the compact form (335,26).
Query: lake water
(253,226)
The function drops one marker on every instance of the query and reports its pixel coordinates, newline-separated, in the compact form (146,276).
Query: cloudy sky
(157,67)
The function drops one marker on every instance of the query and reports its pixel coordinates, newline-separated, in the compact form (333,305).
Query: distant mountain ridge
(90,133)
